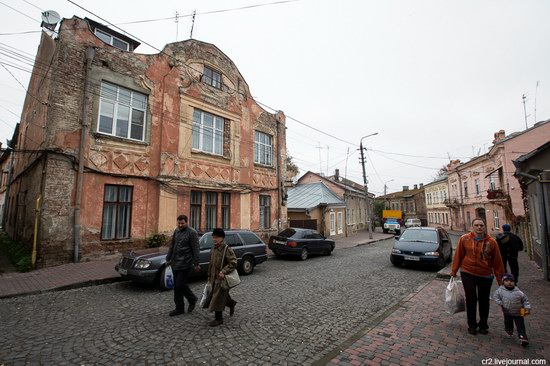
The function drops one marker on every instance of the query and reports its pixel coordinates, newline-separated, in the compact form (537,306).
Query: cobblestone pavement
(289,313)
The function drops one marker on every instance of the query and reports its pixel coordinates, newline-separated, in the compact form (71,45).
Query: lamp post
(385,186)
(369,220)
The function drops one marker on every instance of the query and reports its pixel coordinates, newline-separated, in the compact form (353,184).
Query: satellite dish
(50,19)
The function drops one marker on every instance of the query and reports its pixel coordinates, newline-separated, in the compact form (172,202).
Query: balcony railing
(451,202)
(496,194)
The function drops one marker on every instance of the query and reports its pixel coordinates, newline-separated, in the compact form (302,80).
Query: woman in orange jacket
(478,257)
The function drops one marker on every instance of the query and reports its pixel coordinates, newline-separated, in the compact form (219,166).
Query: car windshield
(391,221)
(429,236)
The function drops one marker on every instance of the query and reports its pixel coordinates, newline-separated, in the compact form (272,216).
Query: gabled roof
(346,184)
(403,194)
(311,195)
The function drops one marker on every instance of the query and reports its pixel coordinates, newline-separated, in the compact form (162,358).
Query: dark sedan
(422,245)
(300,242)
(147,265)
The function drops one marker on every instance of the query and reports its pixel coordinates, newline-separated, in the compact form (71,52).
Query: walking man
(510,244)
(183,256)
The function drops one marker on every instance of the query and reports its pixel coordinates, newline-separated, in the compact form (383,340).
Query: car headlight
(396,251)
(142,264)
(398,226)
(433,254)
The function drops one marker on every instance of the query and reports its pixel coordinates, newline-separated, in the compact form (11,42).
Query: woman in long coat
(219,266)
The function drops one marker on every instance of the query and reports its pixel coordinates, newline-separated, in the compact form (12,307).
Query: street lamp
(369,220)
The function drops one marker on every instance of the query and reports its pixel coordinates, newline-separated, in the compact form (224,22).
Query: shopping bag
(206,296)
(232,279)
(168,277)
(454,298)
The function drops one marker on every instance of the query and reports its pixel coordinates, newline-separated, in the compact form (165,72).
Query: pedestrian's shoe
(483,330)
(523,341)
(191,306)
(176,312)
(472,331)
(215,323)
(232,308)
(510,333)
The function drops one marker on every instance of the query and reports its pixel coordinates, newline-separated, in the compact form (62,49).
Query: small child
(515,305)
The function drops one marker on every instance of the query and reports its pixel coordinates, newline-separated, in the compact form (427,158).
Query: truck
(392,220)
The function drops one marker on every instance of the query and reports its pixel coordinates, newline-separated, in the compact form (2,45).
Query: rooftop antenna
(193,23)
(320,160)
(524,97)
(327,159)
(177,20)
(536,90)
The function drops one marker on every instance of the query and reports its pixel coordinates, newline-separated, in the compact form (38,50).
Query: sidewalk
(75,275)
(417,331)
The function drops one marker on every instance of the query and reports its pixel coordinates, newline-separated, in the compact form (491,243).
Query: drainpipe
(90,53)
(7,194)
(461,200)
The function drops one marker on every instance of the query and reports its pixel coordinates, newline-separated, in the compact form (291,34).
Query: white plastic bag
(206,295)
(168,277)
(454,298)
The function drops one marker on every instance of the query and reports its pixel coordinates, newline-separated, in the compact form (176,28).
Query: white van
(413,223)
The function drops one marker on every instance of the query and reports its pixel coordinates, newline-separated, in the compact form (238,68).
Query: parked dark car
(147,265)
(300,242)
(422,245)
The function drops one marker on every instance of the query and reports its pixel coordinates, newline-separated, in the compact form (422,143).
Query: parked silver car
(147,265)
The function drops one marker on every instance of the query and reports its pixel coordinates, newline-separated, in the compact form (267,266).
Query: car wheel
(247,265)
(385,231)
(329,251)
(441,263)
(277,254)
(304,254)
(160,280)
(450,259)
(394,262)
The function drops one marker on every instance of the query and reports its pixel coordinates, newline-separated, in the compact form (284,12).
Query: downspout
(7,194)
(279,185)
(90,53)
(461,200)
(544,215)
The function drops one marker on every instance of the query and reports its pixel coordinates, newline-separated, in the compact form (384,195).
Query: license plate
(279,242)
(411,258)
(123,271)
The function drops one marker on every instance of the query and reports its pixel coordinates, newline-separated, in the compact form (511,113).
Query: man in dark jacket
(183,256)
(509,244)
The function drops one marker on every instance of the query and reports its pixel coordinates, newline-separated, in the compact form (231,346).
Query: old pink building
(485,186)
(117,144)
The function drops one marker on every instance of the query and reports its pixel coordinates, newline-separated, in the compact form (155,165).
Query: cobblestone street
(289,312)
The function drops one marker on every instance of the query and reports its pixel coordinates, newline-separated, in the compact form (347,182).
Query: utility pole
(369,220)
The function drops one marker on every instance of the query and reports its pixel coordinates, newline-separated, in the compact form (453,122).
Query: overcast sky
(434,78)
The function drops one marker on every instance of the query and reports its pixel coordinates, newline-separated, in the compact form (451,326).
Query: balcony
(496,195)
(451,202)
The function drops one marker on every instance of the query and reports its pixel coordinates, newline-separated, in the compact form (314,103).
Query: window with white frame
(492,185)
(465,189)
(112,40)
(332,224)
(496,219)
(340,223)
(263,148)
(117,211)
(207,132)
(121,112)
(212,78)
(478,188)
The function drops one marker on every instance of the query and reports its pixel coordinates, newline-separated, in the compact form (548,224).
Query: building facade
(411,202)
(121,143)
(437,212)
(485,186)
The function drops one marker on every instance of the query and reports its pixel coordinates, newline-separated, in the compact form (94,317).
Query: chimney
(421,185)
(416,186)
(337,175)
(499,136)
(405,188)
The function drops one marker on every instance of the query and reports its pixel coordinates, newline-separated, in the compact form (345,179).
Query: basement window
(121,112)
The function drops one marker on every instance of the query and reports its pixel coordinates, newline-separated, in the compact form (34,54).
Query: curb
(71,286)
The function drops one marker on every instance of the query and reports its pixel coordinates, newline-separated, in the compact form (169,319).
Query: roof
(522,162)
(403,194)
(518,133)
(304,196)
(346,184)
(436,181)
